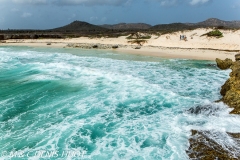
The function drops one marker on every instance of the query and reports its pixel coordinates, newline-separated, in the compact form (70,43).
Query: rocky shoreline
(115,46)
(231,89)
(95,46)
(202,147)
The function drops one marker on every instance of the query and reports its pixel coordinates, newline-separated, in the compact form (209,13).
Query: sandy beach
(167,45)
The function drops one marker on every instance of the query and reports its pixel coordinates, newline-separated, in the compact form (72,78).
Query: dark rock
(138,47)
(95,46)
(202,147)
(206,110)
(225,88)
(224,64)
(237,57)
(48,43)
(231,89)
(211,65)
(115,46)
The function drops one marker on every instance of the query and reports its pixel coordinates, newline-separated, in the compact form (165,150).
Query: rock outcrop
(202,145)
(95,46)
(115,46)
(224,64)
(204,148)
(237,57)
(231,89)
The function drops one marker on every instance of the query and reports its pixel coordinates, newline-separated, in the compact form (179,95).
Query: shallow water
(103,105)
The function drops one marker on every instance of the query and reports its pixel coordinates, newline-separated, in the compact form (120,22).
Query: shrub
(216,33)
(138,36)
(138,41)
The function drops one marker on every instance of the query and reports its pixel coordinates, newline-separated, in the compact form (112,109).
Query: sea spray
(105,105)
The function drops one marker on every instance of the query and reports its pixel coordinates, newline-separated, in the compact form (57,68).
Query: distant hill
(172,27)
(80,26)
(214,22)
(87,27)
(125,26)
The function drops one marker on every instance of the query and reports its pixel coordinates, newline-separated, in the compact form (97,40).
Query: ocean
(60,103)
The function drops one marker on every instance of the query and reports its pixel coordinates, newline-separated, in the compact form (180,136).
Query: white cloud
(174,2)
(165,2)
(93,18)
(196,2)
(168,2)
(236,5)
(14,10)
(31,1)
(72,2)
(92,2)
(105,2)
(26,14)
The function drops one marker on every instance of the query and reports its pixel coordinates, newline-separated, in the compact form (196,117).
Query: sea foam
(107,105)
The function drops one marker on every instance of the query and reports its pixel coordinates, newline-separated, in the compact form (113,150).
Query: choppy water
(105,105)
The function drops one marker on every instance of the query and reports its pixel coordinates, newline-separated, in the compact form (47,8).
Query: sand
(168,45)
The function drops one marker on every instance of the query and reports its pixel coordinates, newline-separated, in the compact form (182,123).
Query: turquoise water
(103,105)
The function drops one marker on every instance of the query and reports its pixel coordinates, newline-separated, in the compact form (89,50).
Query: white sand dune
(167,45)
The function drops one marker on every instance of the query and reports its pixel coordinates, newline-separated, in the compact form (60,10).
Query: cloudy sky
(46,14)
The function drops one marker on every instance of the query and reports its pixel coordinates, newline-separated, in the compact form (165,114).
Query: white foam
(144,102)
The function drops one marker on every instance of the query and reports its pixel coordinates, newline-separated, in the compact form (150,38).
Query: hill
(87,27)
(125,26)
(214,22)
(171,27)
(80,26)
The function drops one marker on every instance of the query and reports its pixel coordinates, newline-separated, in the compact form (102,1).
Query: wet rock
(224,64)
(115,46)
(203,144)
(203,147)
(95,46)
(48,43)
(206,110)
(90,46)
(231,89)
(211,65)
(237,57)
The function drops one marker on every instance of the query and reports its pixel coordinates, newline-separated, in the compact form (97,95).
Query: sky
(48,14)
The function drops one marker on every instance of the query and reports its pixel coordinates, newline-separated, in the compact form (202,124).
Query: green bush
(216,33)
(132,36)
(138,41)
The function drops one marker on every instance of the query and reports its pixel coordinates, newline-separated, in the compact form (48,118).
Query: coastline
(164,52)
(167,46)
(186,51)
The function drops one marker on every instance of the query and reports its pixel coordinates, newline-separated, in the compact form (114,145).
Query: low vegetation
(138,41)
(215,33)
(140,37)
